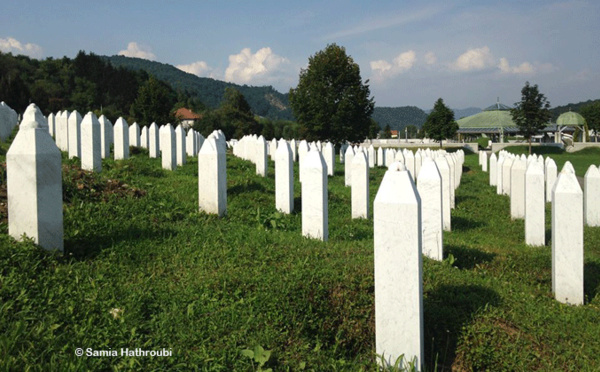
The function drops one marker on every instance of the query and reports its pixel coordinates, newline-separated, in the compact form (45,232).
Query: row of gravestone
(90,139)
(399,215)
(530,182)
(408,222)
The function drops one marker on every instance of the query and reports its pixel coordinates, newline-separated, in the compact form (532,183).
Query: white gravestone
(591,196)
(144,138)
(261,156)
(180,145)
(360,186)
(74,123)
(551,174)
(329,156)
(212,178)
(168,147)
(284,178)
(134,135)
(348,158)
(191,144)
(493,169)
(314,196)
(153,141)
(535,205)
(106,136)
(430,190)
(499,174)
(444,170)
(91,156)
(484,160)
(567,239)
(380,157)
(34,183)
(506,173)
(302,151)
(398,269)
(121,139)
(517,189)
(372,156)
(51,124)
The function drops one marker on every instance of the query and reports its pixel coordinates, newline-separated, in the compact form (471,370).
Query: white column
(106,136)
(314,196)
(261,156)
(91,157)
(134,135)
(360,186)
(398,269)
(517,189)
(591,196)
(212,178)
(535,205)
(33,160)
(430,190)
(74,123)
(153,141)
(121,139)
(168,147)
(348,157)
(567,239)
(180,145)
(284,178)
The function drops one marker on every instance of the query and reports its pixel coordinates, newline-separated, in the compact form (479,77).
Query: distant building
(187,117)
(394,133)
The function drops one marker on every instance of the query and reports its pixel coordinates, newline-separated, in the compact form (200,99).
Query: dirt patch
(77,183)
(89,185)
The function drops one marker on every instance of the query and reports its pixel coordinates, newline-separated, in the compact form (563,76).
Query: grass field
(144,269)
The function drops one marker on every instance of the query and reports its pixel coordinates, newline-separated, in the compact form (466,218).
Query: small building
(571,123)
(186,117)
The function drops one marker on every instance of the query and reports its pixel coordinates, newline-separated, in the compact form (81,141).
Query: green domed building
(573,123)
(494,122)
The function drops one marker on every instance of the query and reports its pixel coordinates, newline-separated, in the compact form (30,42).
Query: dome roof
(488,119)
(570,119)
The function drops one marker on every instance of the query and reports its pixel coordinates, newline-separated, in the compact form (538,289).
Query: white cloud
(402,63)
(259,67)
(474,59)
(430,58)
(12,45)
(138,51)
(523,68)
(199,68)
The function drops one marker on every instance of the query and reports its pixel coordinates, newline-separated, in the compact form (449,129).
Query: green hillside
(399,117)
(265,101)
(576,107)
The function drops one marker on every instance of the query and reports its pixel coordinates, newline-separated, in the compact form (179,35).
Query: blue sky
(412,52)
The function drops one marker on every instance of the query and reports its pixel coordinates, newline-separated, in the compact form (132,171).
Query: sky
(469,53)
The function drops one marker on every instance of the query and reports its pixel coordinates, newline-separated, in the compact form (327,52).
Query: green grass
(581,159)
(247,291)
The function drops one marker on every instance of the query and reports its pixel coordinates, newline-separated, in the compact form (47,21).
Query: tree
(236,112)
(440,122)
(387,132)
(532,113)
(591,113)
(153,103)
(331,102)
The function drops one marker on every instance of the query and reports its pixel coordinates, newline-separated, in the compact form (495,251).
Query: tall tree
(331,102)
(440,123)
(153,103)
(532,113)
(591,113)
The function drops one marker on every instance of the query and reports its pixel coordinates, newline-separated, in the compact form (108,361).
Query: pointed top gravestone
(168,147)
(180,144)
(314,196)
(348,157)
(284,178)
(34,183)
(399,330)
(153,141)
(134,135)
(121,139)
(91,153)
(591,196)
(106,136)
(74,124)
(567,239)
(430,190)
(212,178)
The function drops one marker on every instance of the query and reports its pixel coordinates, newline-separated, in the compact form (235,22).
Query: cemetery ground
(144,269)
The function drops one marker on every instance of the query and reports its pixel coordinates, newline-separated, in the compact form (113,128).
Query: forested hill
(576,107)
(264,101)
(399,117)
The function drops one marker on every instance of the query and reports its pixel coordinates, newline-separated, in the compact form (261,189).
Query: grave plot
(159,272)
